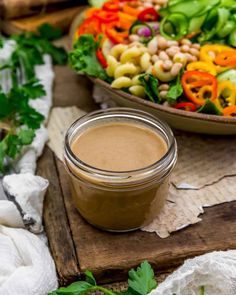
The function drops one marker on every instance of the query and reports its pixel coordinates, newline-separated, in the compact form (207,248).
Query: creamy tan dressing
(119,146)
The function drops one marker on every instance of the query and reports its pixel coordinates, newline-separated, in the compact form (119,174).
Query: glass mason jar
(119,201)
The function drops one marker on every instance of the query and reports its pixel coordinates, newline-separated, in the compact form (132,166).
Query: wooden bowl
(178,119)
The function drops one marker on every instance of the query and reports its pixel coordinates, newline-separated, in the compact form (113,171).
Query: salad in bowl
(176,53)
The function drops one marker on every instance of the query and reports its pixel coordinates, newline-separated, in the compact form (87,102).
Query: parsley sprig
(18,119)
(140,282)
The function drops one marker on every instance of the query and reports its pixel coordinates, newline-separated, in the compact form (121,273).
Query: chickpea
(163,55)
(163,94)
(172,43)
(196,46)
(164,87)
(185,42)
(185,48)
(194,52)
(134,38)
(162,42)
(154,58)
(212,54)
(167,65)
(152,46)
(172,51)
(176,68)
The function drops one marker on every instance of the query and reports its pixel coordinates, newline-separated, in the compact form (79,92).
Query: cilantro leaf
(150,84)
(142,280)
(83,57)
(33,89)
(26,136)
(6,106)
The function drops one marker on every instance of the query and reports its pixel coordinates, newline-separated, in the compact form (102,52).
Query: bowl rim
(166,109)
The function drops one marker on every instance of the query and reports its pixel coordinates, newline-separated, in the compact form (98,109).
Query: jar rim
(145,117)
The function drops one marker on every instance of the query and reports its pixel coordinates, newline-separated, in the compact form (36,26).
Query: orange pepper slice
(226,58)
(199,86)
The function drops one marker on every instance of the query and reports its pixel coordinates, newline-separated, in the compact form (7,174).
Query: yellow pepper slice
(226,95)
(203,66)
(208,53)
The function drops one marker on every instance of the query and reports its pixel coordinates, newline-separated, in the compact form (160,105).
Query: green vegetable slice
(227,29)
(209,108)
(214,22)
(232,38)
(196,23)
(188,7)
(174,26)
(227,75)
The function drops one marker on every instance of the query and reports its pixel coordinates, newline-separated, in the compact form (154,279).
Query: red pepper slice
(187,106)
(229,111)
(106,16)
(111,6)
(199,86)
(101,58)
(148,14)
(226,58)
(90,26)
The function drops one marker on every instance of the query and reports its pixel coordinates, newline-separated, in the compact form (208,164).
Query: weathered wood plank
(110,256)
(56,222)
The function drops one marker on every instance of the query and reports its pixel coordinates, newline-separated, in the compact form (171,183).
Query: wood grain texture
(110,256)
(56,223)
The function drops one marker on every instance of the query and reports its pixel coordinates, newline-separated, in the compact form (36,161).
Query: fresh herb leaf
(26,136)
(33,89)
(175,90)
(49,33)
(209,108)
(90,278)
(142,280)
(83,57)
(150,84)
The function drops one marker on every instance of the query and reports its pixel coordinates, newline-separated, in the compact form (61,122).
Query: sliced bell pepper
(199,86)
(203,66)
(187,106)
(111,6)
(229,111)
(106,16)
(226,95)
(226,58)
(90,26)
(131,8)
(115,36)
(209,52)
(148,14)
(101,58)
(89,12)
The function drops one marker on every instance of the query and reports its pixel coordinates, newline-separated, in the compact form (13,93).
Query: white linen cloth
(215,271)
(26,266)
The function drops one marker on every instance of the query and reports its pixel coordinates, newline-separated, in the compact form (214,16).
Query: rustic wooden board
(109,255)
(77,246)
